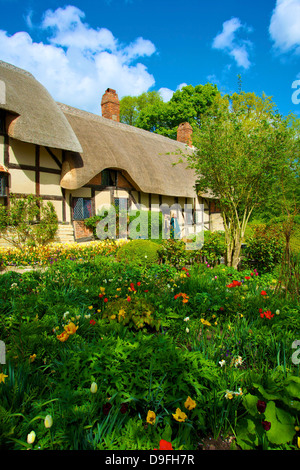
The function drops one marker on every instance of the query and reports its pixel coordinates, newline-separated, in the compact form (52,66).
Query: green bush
(264,247)
(144,252)
(136,313)
(28,221)
(214,246)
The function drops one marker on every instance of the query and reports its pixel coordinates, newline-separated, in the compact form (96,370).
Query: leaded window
(3,184)
(82,208)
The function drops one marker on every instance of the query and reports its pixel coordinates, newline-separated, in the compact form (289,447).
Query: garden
(137,345)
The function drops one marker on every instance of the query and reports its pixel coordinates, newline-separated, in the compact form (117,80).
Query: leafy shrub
(28,221)
(264,247)
(144,252)
(214,246)
(136,313)
(175,253)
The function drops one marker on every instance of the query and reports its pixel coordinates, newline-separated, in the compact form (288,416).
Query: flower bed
(45,255)
(117,355)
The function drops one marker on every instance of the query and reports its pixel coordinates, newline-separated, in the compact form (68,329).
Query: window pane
(123,202)
(78,208)
(2,184)
(82,208)
(87,208)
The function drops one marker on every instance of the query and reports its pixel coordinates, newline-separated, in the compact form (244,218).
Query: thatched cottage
(80,160)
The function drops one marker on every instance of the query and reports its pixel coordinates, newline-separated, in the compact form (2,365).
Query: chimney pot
(185,133)
(110,105)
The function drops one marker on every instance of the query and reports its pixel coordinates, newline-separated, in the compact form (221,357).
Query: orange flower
(63,336)
(70,328)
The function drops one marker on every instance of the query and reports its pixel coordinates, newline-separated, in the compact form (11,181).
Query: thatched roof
(146,157)
(39,119)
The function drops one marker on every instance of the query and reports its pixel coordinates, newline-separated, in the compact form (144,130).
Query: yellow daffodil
(179,415)
(32,357)
(102,290)
(90,307)
(229,395)
(2,377)
(190,404)
(151,417)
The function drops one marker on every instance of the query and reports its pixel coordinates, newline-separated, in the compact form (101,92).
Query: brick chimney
(185,133)
(110,105)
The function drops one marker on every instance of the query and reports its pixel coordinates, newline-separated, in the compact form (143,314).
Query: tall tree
(131,106)
(243,147)
(188,104)
(148,111)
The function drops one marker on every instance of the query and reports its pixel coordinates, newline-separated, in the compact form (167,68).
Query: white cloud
(284,26)
(228,41)
(167,93)
(76,62)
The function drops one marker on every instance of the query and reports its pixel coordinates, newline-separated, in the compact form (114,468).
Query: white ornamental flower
(48,421)
(31,437)
(94,387)
(222,363)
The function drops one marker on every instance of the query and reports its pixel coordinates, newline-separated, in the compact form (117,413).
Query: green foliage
(131,106)
(282,405)
(186,105)
(144,252)
(28,221)
(135,312)
(176,253)
(243,154)
(149,353)
(264,247)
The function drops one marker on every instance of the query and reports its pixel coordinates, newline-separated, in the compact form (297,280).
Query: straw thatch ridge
(36,116)
(146,157)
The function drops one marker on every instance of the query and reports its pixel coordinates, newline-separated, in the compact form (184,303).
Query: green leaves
(33,222)
(186,105)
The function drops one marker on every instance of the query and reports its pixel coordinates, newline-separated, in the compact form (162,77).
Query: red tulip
(261,406)
(266,425)
(165,445)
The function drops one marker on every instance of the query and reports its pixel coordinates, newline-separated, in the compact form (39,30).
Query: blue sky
(79,48)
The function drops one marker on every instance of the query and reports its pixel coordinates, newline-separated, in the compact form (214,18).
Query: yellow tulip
(151,417)
(190,404)
(180,416)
